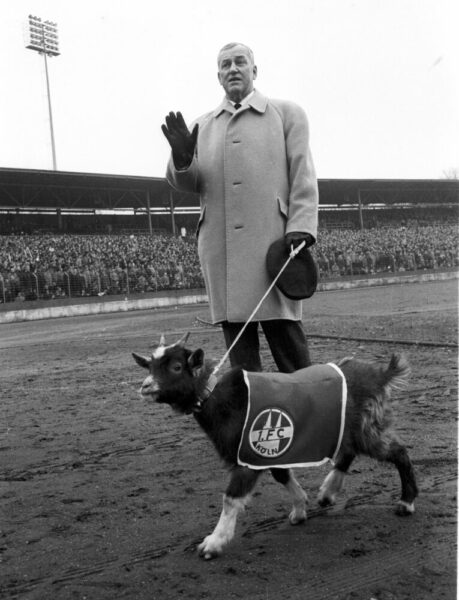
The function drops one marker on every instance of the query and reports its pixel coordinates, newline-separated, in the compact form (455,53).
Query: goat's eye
(177,368)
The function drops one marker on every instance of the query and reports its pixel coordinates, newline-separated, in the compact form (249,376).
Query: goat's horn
(183,339)
(162,340)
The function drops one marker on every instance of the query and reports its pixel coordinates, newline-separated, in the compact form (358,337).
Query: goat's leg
(389,449)
(333,482)
(237,495)
(298,495)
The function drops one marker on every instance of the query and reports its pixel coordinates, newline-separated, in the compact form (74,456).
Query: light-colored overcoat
(256,179)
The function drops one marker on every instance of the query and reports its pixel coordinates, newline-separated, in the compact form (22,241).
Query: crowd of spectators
(389,249)
(52,266)
(388,217)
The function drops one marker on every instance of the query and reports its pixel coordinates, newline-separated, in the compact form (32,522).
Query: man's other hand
(295,238)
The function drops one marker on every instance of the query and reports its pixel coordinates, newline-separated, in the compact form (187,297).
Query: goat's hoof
(296,517)
(208,555)
(208,549)
(404,509)
(326,501)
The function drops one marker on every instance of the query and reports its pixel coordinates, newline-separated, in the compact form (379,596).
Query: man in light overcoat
(250,162)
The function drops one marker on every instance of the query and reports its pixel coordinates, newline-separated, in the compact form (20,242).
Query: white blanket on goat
(293,419)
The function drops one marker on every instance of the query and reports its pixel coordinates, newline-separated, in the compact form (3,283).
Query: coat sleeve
(304,195)
(183,180)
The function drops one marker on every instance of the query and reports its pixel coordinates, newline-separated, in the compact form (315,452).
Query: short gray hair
(232,45)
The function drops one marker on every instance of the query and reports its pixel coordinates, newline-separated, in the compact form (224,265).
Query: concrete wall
(53,312)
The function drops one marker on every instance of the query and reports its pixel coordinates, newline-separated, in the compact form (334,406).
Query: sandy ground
(105,497)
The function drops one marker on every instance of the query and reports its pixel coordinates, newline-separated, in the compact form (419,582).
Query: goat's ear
(196,360)
(143,361)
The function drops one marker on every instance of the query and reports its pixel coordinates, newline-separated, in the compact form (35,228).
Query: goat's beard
(177,400)
(151,398)
(179,409)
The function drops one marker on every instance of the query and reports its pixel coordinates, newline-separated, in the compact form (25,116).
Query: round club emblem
(271,433)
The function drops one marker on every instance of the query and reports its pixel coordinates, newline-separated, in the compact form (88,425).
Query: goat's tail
(397,373)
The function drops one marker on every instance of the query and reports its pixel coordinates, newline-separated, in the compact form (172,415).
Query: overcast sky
(379,80)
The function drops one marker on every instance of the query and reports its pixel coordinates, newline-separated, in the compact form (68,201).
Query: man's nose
(233,67)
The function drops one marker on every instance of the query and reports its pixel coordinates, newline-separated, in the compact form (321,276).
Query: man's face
(236,72)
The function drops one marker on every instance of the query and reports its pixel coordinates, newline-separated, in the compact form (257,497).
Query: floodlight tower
(42,37)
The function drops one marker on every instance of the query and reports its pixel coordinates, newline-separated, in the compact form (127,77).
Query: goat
(180,377)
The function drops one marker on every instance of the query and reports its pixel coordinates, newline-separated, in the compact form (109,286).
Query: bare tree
(451,173)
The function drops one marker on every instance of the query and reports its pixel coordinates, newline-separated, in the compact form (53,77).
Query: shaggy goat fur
(178,377)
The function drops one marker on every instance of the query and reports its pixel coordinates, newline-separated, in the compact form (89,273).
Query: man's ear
(196,361)
(143,361)
(219,78)
(255,72)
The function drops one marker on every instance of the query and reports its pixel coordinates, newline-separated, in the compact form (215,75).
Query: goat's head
(173,372)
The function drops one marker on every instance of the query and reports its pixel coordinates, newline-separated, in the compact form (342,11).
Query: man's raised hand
(182,142)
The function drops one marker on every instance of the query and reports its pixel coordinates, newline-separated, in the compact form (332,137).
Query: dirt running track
(105,497)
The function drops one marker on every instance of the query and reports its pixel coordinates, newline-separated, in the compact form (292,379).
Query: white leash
(212,381)
(293,253)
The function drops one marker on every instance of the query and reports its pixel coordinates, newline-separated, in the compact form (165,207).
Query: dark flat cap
(299,279)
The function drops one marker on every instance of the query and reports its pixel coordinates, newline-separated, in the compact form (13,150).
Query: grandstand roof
(33,189)
(28,189)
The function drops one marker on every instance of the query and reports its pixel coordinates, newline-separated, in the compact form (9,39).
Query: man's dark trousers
(286,339)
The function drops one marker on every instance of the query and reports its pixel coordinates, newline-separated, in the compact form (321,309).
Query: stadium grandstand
(65,234)
(66,202)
